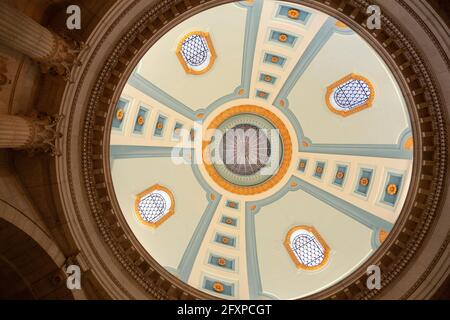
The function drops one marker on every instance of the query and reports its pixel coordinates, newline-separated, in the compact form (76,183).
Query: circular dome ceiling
(244,149)
(267,158)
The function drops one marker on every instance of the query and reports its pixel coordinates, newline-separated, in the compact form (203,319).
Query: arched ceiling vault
(294,62)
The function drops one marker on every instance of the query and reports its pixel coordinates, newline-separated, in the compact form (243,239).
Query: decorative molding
(314,47)
(295,260)
(253,273)
(132,152)
(421,206)
(362,216)
(393,151)
(287,150)
(45,134)
(212,59)
(190,254)
(63,57)
(140,83)
(334,86)
(170,212)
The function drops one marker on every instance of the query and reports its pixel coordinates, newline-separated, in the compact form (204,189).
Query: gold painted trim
(120,115)
(382,235)
(293,14)
(221,262)
(95,173)
(392,189)
(351,76)
(341,25)
(409,144)
(218,287)
(212,60)
(287,150)
(287,244)
(364,182)
(169,213)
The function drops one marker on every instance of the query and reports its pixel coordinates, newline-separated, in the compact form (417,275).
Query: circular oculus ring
(286,145)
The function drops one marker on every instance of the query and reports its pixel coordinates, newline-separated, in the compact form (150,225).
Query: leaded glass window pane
(308,250)
(352,93)
(195,50)
(153,206)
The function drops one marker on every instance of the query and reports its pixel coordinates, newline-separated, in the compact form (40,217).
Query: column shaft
(20,32)
(18,132)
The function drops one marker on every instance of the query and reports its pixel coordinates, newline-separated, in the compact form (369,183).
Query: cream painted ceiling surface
(345,168)
(161,66)
(280,277)
(341,55)
(167,243)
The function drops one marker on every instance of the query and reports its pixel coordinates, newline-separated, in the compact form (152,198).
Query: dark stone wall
(442,7)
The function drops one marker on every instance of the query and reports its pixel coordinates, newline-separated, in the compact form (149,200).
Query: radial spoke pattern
(246,149)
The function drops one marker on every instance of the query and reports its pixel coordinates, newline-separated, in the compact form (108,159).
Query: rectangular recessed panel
(232,204)
(341,173)
(266,78)
(141,119)
(160,126)
(283,38)
(221,262)
(320,168)
(119,113)
(192,134)
(293,14)
(225,240)
(228,221)
(364,181)
(392,188)
(302,165)
(274,59)
(218,286)
(176,134)
(262,94)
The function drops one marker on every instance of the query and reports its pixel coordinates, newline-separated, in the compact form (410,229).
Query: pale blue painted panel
(392,151)
(130,152)
(187,261)
(139,82)
(308,56)
(366,218)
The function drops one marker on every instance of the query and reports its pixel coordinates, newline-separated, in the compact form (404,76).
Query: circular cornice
(287,150)
(401,55)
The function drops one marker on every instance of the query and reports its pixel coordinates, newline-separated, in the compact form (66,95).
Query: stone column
(20,32)
(19,132)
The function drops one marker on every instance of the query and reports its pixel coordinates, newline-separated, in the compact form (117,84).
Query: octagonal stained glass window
(154,205)
(196,52)
(306,248)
